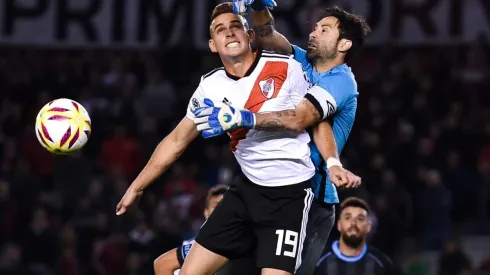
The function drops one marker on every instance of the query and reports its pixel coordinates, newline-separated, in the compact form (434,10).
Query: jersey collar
(252,67)
(338,253)
(337,69)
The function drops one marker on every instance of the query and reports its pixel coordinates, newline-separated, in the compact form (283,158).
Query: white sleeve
(196,101)
(323,101)
(298,82)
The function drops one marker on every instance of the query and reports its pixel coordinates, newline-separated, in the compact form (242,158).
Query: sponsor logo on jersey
(195,103)
(267,87)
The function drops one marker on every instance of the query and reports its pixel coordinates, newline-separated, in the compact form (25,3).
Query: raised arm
(166,153)
(320,102)
(268,37)
(304,116)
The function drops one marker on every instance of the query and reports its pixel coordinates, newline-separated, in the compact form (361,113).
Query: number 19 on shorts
(286,238)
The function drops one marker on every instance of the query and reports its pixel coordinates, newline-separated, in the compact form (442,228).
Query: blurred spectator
(8,214)
(416,264)
(389,227)
(39,243)
(118,75)
(453,260)
(142,239)
(158,97)
(434,204)
(110,254)
(11,260)
(485,266)
(121,152)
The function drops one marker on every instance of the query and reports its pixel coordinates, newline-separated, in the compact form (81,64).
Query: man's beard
(318,56)
(354,241)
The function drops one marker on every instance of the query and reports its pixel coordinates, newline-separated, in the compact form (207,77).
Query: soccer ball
(63,126)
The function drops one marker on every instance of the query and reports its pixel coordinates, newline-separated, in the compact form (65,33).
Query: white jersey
(273,83)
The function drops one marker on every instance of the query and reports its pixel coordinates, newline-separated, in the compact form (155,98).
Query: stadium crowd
(421,143)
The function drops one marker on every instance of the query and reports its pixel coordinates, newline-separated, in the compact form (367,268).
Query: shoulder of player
(212,73)
(339,82)
(380,256)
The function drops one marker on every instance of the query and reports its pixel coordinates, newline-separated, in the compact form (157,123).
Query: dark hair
(354,202)
(226,7)
(220,9)
(351,27)
(218,190)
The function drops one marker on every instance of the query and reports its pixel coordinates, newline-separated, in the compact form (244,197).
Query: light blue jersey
(334,94)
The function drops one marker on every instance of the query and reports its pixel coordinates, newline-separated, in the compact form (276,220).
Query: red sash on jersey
(272,76)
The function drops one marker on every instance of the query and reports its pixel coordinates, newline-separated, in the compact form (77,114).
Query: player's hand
(353,180)
(214,121)
(338,176)
(241,6)
(129,198)
(343,178)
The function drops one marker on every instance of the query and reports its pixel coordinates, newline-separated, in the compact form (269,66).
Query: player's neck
(327,65)
(238,66)
(349,251)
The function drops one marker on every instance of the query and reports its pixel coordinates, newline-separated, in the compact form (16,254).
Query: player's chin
(312,54)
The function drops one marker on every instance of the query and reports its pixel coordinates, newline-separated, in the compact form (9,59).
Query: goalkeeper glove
(240,6)
(214,121)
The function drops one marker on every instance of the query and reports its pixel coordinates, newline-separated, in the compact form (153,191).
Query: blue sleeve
(342,88)
(332,94)
(300,56)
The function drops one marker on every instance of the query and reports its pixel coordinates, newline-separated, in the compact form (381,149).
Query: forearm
(304,116)
(266,34)
(288,120)
(325,140)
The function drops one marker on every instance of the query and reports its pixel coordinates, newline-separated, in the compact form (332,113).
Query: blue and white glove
(240,6)
(215,121)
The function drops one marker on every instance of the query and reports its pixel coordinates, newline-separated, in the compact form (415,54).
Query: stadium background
(421,141)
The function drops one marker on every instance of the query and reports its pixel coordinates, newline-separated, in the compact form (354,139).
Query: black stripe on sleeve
(315,103)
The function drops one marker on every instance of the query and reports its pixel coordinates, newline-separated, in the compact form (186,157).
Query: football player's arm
(325,140)
(297,120)
(318,104)
(172,146)
(327,146)
(266,34)
(167,263)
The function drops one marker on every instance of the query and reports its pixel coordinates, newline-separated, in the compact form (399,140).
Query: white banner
(143,23)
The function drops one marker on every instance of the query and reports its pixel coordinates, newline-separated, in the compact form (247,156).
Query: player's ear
(369,226)
(206,213)
(344,45)
(212,46)
(251,35)
(338,225)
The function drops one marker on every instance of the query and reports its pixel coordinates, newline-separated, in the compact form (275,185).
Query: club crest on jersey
(267,87)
